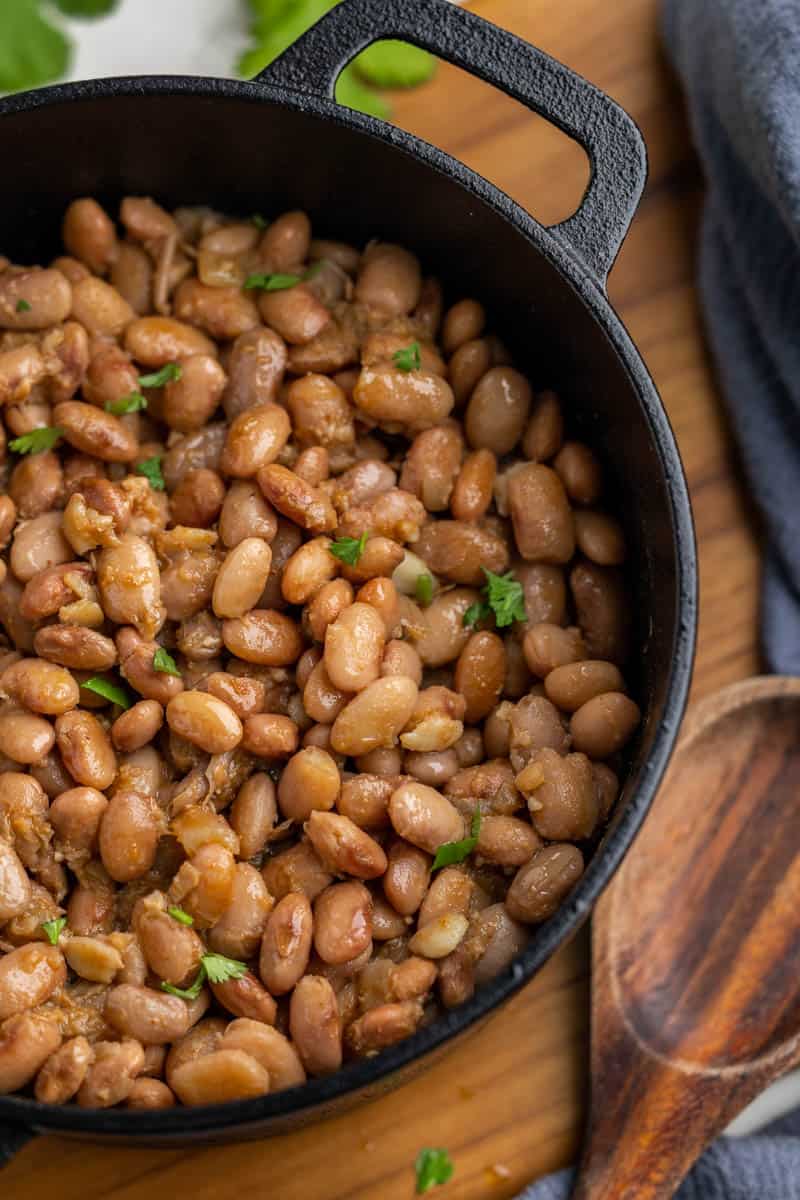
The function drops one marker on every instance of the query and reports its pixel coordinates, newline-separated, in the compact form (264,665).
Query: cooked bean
(270,736)
(535,724)
(354,648)
(497,410)
(100,308)
(286,944)
(343,847)
(397,400)
(424,817)
(245,997)
(130,585)
(171,950)
(253,814)
(432,464)
(40,686)
(507,841)
(406,878)
(129,833)
(35,486)
(386,760)
(197,499)
(540,511)
(549,647)
(309,781)
(270,1048)
(383,1026)
(136,666)
(542,884)
(156,341)
(601,606)
(463,322)
(26,1042)
(204,721)
(152,1018)
(573,684)
(149,1094)
(580,472)
(92,959)
(309,568)
(132,276)
(461,550)
(389,279)
(599,537)
(439,937)
(295,313)
(297,869)
(38,544)
(25,738)
(201,1039)
(29,976)
(400,658)
(191,400)
(222,312)
(64,1072)
(255,439)
(560,792)
(220,1076)
(314,1025)
(543,436)
(242,578)
(604,724)
(86,749)
(375,716)
(237,934)
(307,506)
(202,448)
(215,869)
(75,815)
(480,672)
(444,634)
(88,233)
(138,726)
(47,295)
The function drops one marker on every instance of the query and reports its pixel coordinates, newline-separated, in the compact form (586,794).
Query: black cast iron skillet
(281,142)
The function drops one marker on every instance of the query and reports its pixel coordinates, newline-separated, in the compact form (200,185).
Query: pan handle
(610,137)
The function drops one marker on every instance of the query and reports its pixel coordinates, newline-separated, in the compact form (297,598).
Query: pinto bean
(29,975)
(461,550)
(497,410)
(26,1042)
(242,578)
(343,847)
(222,312)
(408,401)
(270,1048)
(25,738)
(237,933)
(573,684)
(560,792)
(36,484)
(75,815)
(40,686)
(253,814)
(222,1075)
(444,634)
(314,1025)
(297,869)
(307,506)
(309,781)
(172,951)
(536,724)
(47,295)
(389,279)
(38,544)
(295,313)
(189,402)
(286,944)
(542,517)
(204,721)
(424,817)
(604,724)
(545,429)
(156,341)
(549,647)
(375,716)
(267,735)
(543,883)
(245,997)
(600,600)
(94,431)
(129,833)
(86,749)
(100,308)
(580,472)
(132,276)
(480,674)
(130,586)
(354,648)
(64,1072)
(88,233)
(255,439)
(149,1094)
(152,1018)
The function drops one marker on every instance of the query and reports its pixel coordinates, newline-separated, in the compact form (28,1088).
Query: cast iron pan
(281,142)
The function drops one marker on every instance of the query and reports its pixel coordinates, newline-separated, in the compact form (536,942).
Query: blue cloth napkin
(739,62)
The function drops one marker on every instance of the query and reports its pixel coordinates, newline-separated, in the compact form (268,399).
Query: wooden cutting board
(508,1104)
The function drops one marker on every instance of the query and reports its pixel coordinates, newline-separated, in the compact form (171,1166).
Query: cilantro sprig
(164,663)
(455,852)
(53,929)
(108,690)
(349,550)
(409,358)
(433,1167)
(22,305)
(136,401)
(179,915)
(37,440)
(151,469)
(504,598)
(215,968)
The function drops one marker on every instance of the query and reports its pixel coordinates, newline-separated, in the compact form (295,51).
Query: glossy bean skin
(573,684)
(539,887)
(129,833)
(204,721)
(220,1076)
(254,813)
(86,749)
(26,1042)
(89,234)
(286,944)
(497,410)
(424,817)
(542,518)
(343,847)
(64,1072)
(237,933)
(604,724)
(269,1047)
(152,1018)
(315,1026)
(561,795)
(309,782)
(406,878)
(354,648)
(480,674)
(601,604)
(375,716)
(171,950)
(28,977)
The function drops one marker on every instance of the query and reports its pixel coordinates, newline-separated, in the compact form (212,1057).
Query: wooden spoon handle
(643,1146)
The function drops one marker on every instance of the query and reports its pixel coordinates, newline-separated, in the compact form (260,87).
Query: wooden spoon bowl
(696,947)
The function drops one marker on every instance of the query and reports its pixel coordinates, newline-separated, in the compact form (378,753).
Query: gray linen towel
(739,62)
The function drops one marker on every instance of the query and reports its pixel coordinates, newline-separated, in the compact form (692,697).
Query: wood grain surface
(508,1104)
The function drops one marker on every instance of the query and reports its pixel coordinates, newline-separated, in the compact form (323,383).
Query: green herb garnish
(504,598)
(169,373)
(215,968)
(126,404)
(177,914)
(259,221)
(53,929)
(433,1167)
(349,550)
(455,852)
(108,690)
(23,306)
(423,588)
(164,662)
(271,283)
(37,440)
(409,358)
(151,469)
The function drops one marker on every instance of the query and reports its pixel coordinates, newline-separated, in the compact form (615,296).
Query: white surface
(206,37)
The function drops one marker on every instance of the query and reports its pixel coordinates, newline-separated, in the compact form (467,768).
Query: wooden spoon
(696,948)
